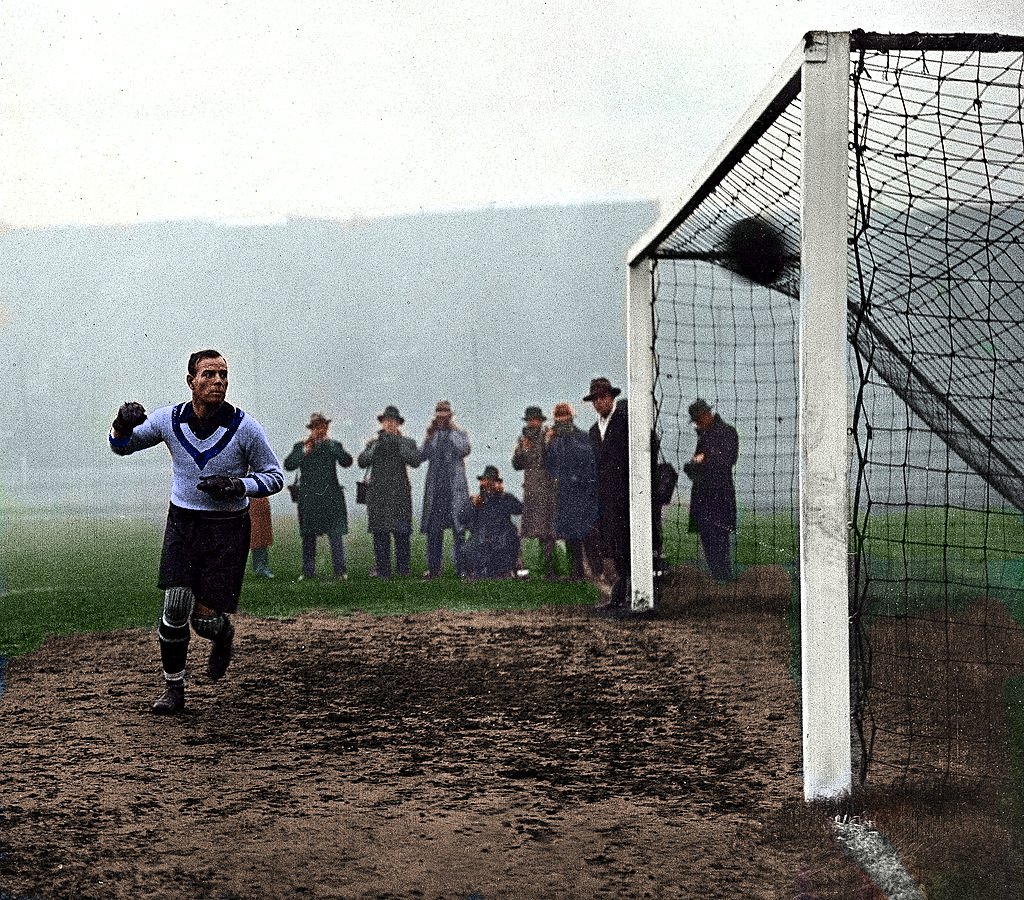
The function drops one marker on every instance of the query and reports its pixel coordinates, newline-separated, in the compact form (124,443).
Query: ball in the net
(755,249)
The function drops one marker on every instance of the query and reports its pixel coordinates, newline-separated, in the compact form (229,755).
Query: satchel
(665,479)
(361,487)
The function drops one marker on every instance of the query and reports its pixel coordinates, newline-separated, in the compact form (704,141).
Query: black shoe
(172,700)
(220,653)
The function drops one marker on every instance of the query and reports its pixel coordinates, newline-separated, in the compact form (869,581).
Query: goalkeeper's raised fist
(129,417)
(221,487)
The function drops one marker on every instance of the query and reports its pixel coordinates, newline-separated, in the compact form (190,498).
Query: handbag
(293,489)
(361,487)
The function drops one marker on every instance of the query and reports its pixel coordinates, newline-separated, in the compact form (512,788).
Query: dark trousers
(717,545)
(435,547)
(309,554)
(382,552)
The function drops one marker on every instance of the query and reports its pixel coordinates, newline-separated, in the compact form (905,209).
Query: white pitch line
(873,852)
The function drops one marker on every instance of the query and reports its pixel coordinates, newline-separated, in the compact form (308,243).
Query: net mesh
(934,301)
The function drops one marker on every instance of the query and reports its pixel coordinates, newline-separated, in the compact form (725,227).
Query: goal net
(928,454)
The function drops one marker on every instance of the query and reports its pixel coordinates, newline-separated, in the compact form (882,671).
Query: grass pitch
(68,575)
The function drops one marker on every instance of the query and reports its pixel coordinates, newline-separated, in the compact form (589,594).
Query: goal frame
(817,70)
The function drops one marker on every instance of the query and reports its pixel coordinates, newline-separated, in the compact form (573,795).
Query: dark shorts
(206,552)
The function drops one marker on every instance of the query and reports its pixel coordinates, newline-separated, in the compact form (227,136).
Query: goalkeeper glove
(222,487)
(129,417)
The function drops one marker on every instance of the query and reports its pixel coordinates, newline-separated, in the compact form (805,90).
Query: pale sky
(251,110)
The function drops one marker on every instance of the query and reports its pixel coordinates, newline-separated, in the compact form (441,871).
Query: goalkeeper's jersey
(232,443)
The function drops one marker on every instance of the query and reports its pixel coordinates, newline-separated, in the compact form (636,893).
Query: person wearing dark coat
(569,457)
(445,448)
(493,545)
(321,500)
(389,456)
(538,487)
(610,438)
(713,495)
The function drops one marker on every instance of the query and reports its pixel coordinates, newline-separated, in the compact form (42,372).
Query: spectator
(610,437)
(321,504)
(569,458)
(713,495)
(538,487)
(445,448)
(388,456)
(493,545)
(262,536)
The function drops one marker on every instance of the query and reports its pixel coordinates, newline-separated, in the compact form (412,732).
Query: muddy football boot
(172,700)
(220,653)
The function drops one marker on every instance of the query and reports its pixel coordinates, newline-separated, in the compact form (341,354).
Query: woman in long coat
(388,456)
(538,487)
(322,508)
(569,457)
(261,536)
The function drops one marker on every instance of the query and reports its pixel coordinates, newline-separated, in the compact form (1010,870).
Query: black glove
(691,470)
(221,487)
(129,417)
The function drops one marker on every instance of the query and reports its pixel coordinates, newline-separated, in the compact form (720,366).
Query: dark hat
(534,412)
(599,386)
(699,406)
(391,412)
(318,419)
(490,472)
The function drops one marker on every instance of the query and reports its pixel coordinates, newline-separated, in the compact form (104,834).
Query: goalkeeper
(213,446)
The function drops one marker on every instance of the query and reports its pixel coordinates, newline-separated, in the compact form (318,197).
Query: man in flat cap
(445,448)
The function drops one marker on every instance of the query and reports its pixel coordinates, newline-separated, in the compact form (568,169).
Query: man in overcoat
(569,458)
(538,487)
(389,456)
(610,438)
(322,508)
(713,495)
(445,448)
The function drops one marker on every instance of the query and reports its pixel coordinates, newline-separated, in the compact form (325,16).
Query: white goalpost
(818,69)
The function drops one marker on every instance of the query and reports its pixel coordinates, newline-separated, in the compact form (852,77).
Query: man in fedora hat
(538,487)
(321,500)
(389,456)
(610,437)
(445,448)
(493,545)
(713,495)
(569,457)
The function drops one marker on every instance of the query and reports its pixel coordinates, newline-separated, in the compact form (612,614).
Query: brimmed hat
(599,386)
(443,406)
(490,472)
(697,407)
(534,412)
(562,409)
(318,419)
(391,412)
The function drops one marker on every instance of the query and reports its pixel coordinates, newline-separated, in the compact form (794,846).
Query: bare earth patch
(540,754)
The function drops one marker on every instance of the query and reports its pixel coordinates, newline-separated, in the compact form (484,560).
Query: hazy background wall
(493,310)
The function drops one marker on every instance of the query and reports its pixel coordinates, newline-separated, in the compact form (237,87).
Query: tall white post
(640,370)
(824,464)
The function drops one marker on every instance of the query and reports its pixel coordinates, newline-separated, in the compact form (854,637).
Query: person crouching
(493,546)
